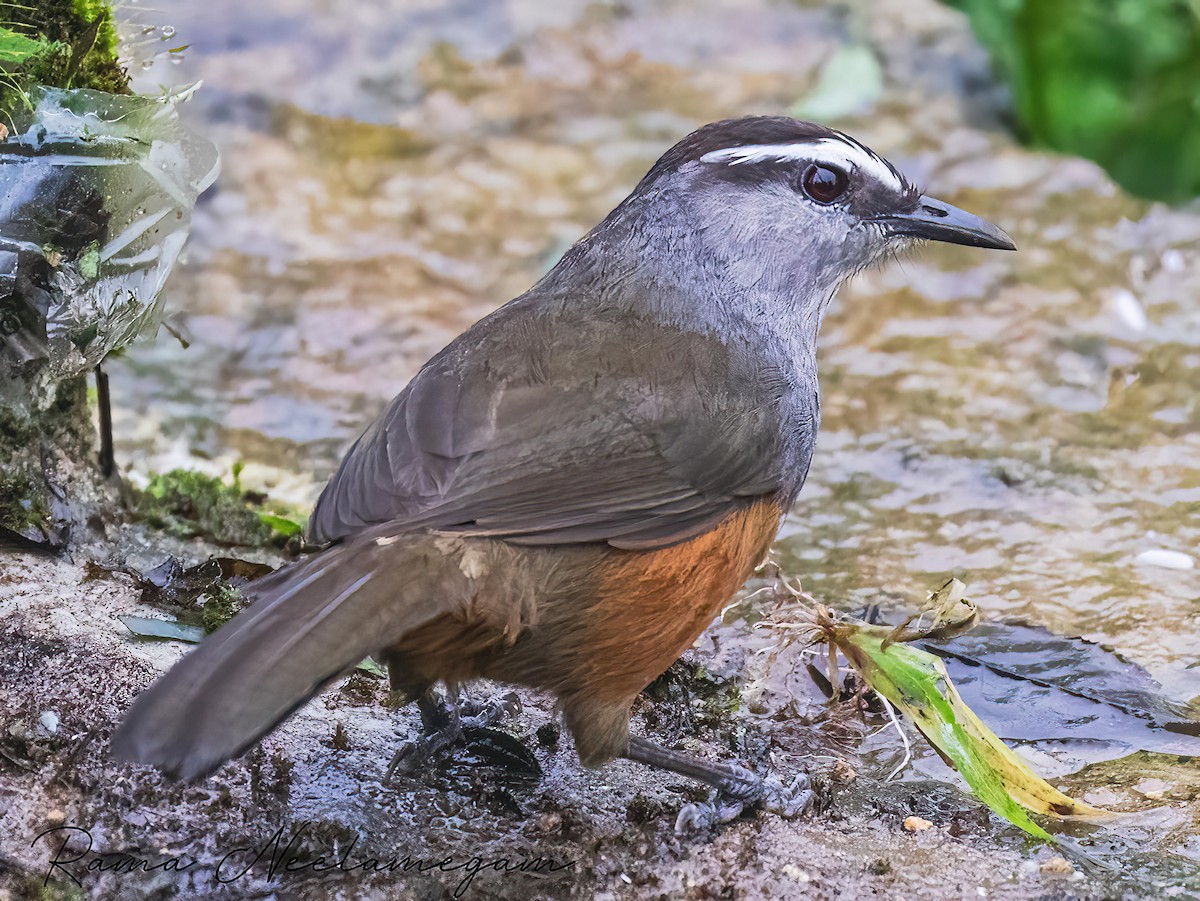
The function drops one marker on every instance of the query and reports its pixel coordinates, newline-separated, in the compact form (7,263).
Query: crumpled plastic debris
(96,195)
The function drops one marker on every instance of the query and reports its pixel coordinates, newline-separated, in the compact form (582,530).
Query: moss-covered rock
(33,497)
(190,504)
(22,504)
(61,44)
(220,606)
(52,43)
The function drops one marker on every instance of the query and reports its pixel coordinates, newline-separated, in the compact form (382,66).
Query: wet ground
(1029,422)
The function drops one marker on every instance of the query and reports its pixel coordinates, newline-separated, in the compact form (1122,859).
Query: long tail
(309,623)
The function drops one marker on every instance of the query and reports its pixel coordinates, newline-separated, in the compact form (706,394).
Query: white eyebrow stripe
(823,150)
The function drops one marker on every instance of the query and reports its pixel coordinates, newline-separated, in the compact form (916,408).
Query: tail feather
(309,623)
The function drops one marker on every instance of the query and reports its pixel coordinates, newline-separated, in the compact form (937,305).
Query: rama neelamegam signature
(276,857)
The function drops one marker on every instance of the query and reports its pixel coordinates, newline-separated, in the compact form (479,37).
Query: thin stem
(107,460)
(903,738)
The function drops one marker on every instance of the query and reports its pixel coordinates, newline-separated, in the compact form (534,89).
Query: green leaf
(916,683)
(16,49)
(1116,81)
(281,524)
(371,668)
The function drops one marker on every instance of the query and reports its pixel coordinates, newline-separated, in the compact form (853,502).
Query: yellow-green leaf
(917,684)
(281,524)
(16,48)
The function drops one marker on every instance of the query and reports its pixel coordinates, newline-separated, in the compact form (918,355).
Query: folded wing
(545,424)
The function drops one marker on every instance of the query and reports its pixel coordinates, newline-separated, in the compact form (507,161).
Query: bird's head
(786,208)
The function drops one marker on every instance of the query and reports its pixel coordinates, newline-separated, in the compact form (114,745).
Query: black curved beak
(934,220)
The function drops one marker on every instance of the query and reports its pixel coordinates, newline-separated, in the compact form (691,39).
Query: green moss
(220,607)
(22,504)
(717,697)
(26,496)
(60,44)
(36,888)
(190,504)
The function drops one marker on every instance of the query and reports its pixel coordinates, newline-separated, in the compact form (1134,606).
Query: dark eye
(824,184)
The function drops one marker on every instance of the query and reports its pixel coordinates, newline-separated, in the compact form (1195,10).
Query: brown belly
(596,625)
(651,606)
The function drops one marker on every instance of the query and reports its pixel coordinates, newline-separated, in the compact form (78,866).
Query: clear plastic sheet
(96,195)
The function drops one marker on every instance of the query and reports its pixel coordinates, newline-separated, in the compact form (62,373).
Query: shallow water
(394,171)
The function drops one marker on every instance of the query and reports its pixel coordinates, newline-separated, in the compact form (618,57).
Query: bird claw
(750,791)
(480,716)
(412,755)
(403,762)
(463,727)
(706,815)
(791,800)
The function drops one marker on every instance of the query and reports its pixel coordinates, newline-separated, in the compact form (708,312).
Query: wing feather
(547,424)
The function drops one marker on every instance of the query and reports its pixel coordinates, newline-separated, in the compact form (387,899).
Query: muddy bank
(70,668)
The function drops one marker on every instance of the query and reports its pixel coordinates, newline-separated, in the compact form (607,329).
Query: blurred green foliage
(1117,81)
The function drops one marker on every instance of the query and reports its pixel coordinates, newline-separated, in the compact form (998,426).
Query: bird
(565,496)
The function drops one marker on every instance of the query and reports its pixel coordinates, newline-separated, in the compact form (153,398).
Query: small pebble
(1165,559)
(1173,261)
(55,818)
(791,871)
(1057,866)
(549,822)
(1154,795)
(49,721)
(1148,786)
(1129,311)
(916,824)
(843,773)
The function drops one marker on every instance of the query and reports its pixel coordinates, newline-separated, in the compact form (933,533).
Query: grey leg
(736,787)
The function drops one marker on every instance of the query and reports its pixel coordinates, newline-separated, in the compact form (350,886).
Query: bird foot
(448,725)
(745,790)
(481,715)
